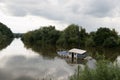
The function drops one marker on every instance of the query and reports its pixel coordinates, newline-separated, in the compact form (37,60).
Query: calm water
(20,63)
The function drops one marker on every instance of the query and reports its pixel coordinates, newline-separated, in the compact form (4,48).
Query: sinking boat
(73,53)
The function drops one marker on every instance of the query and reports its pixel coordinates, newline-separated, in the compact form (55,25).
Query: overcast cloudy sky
(24,15)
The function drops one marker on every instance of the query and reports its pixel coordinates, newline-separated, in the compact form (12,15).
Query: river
(19,63)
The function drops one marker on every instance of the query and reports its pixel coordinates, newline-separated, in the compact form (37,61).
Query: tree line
(6,36)
(71,36)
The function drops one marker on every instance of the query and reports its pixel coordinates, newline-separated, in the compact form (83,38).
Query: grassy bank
(105,70)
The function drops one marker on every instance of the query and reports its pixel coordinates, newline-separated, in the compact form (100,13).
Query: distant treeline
(18,35)
(71,36)
(6,36)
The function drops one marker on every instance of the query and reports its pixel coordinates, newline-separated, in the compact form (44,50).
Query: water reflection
(46,51)
(50,52)
(110,54)
(19,63)
(37,67)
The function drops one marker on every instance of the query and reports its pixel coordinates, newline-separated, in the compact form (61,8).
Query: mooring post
(79,36)
(72,57)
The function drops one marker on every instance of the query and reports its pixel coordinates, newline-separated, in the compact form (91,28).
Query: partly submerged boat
(73,53)
(63,53)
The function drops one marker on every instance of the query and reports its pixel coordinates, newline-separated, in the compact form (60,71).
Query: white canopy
(78,51)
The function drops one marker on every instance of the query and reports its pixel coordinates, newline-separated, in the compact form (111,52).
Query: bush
(110,42)
(6,36)
(47,35)
(102,34)
(104,70)
(89,42)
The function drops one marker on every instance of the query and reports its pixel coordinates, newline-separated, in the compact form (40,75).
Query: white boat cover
(77,51)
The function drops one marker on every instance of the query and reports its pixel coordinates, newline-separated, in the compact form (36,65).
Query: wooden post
(79,37)
(72,57)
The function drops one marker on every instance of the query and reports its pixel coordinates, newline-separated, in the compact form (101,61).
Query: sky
(25,15)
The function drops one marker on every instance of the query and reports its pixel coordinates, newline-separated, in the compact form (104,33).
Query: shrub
(104,70)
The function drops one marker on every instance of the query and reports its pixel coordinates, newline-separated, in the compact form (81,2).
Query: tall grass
(104,70)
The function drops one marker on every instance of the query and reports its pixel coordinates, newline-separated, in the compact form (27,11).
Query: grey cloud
(84,13)
(101,8)
(25,78)
(38,7)
(20,11)
(59,10)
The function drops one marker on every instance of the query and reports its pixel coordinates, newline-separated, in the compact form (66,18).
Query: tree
(83,36)
(5,31)
(43,36)
(69,37)
(6,36)
(102,34)
(110,42)
(89,42)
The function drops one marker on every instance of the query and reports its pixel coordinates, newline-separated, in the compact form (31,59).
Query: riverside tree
(104,35)
(6,35)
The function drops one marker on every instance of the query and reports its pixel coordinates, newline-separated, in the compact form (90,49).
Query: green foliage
(62,40)
(72,37)
(5,31)
(104,70)
(69,35)
(6,36)
(89,42)
(83,36)
(18,35)
(43,36)
(110,42)
(102,34)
